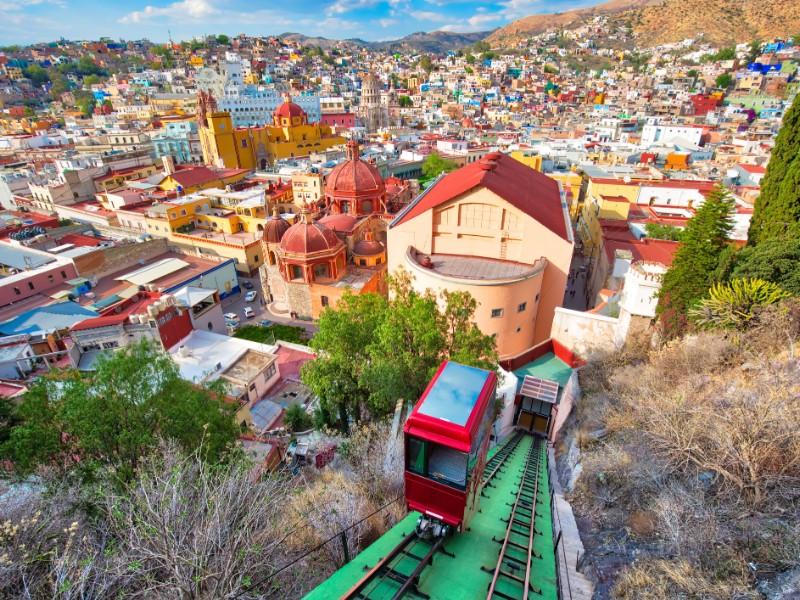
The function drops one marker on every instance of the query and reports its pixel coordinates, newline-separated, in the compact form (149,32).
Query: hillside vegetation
(722,22)
(690,464)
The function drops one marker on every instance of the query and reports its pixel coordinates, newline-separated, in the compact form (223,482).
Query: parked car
(247,284)
(249,312)
(265,323)
(231,317)
(250,296)
(231,326)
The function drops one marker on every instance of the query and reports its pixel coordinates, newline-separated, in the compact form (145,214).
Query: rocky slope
(722,22)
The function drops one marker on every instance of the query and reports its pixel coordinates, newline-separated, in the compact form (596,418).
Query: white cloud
(424,15)
(343,6)
(480,20)
(387,22)
(194,9)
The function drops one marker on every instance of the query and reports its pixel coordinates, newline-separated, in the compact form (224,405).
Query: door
(525,420)
(540,424)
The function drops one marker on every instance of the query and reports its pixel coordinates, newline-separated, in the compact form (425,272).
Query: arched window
(366,206)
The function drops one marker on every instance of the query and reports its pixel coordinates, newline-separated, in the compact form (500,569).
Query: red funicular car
(446,441)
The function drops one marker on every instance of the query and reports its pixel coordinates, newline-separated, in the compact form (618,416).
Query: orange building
(499,230)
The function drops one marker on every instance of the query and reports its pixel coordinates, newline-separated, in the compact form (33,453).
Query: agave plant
(736,304)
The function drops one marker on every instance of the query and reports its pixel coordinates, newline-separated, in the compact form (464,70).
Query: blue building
(180,140)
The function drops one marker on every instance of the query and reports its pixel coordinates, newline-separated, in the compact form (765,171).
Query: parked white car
(232,317)
(250,296)
(249,312)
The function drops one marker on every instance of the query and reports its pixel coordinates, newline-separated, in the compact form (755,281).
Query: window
(324,300)
(378,260)
(415,455)
(497,312)
(16,291)
(109,345)
(362,262)
(537,298)
(522,307)
(255,258)
(183,212)
(320,270)
(519,329)
(297,272)
(30,285)
(244,143)
(50,278)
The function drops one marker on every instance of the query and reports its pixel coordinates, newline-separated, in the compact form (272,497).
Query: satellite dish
(627,179)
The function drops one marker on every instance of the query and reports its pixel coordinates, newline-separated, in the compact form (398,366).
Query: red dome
(275,228)
(309,238)
(354,178)
(289,109)
(339,222)
(368,248)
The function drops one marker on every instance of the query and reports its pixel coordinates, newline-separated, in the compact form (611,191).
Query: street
(237,304)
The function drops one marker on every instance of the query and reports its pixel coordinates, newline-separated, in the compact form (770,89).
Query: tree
(470,59)
(725,54)
(426,64)
(695,262)
(481,46)
(111,418)
(435,164)
(405,101)
(774,260)
(297,419)
(223,40)
(691,73)
(342,344)
(663,232)
(753,50)
(777,208)
(37,75)
(724,80)
(372,351)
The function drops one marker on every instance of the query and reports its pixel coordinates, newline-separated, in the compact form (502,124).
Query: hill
(536,24)
(435,42)
(722,22)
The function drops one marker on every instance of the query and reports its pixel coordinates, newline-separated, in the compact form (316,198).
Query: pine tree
(692,272)
(777,209)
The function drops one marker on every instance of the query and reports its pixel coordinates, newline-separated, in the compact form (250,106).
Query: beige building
(498,230)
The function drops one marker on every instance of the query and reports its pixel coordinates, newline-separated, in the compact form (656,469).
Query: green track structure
(464,565)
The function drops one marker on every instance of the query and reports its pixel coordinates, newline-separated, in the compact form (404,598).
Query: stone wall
(299,295)
(586,333)
(105,261)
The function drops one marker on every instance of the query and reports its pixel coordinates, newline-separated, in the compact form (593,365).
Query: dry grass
(701,458)
(666,579)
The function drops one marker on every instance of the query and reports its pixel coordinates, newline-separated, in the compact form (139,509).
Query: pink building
(498,230)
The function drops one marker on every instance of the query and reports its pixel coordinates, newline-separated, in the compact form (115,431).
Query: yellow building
(594,209)
(534,161)
(307,188)
(196,61)
(289,136)
(188,180)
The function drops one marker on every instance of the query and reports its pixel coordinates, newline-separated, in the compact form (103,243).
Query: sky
(29,21)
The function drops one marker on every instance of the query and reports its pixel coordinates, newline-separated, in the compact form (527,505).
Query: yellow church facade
(289,136)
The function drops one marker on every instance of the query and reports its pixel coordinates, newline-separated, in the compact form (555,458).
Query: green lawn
(268,335)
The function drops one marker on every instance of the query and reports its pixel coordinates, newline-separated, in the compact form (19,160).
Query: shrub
(297,418)
(737,304)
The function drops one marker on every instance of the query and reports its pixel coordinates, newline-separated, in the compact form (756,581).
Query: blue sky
(27,21)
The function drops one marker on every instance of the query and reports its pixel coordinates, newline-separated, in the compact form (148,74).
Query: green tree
(663,232)
(91,80)
(753,50)
(777,208)
(695,263)
(775,260)
(691,73)
(470,59)
(223,40)
(37,75)
(435,164)
(297,419)
(481,46)
(725,54)
(342,343)
(372,351)
(419,332)
(724,80)
(405,101)
(111,418)
(426,64)
(60,84)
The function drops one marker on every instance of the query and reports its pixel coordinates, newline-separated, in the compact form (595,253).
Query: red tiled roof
(194,176)
(660,251)
(528,190)
(99,322)
(752,168)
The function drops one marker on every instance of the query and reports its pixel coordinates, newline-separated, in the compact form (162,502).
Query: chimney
(169,165)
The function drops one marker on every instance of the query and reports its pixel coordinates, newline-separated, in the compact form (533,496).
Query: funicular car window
(448,466)
(415,457)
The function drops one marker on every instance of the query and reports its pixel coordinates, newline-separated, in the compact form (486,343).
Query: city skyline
(32,21)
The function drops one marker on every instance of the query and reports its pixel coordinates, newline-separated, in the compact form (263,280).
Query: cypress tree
(777,209)
(695,263)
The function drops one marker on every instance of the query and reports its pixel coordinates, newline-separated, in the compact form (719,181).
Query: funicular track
(511,579)
(397,574)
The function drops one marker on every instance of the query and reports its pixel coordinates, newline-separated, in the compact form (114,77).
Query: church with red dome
(337,244)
